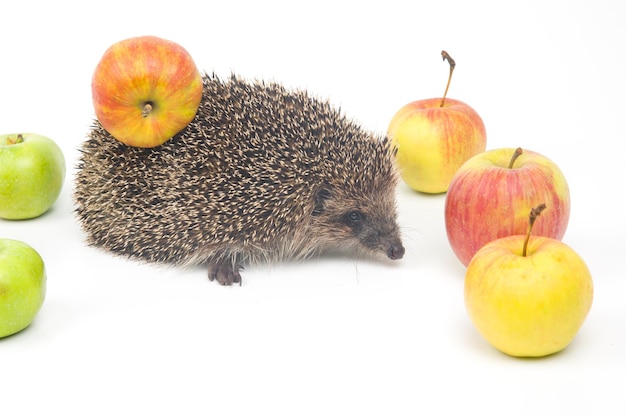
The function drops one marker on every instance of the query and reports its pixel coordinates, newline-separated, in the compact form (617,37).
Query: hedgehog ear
(321,196)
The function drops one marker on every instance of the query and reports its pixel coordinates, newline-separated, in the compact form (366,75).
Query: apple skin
(528,306)
(433,141)
(487,200)
(22,285)
(141,70)
(31,175)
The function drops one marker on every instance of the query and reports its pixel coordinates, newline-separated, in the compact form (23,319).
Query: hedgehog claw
(225,274)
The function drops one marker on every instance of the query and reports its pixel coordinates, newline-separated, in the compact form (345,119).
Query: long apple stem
(452,63)
(147,109)
(516,155)
(534,213)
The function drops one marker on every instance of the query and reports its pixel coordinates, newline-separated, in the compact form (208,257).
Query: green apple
(22,285)
(32,171)
(528,297)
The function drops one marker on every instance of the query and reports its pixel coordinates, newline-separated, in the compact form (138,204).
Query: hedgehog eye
(353,218)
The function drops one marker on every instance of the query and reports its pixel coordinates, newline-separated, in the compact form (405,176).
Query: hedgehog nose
(395,251)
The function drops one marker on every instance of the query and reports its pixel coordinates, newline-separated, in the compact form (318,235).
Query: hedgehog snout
(395,251)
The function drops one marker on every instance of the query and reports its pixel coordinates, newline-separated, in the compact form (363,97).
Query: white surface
(331,336)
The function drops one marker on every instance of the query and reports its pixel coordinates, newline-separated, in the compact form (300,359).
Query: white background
(330,336)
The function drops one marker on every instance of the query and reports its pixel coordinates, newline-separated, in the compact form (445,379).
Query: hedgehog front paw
(225,274)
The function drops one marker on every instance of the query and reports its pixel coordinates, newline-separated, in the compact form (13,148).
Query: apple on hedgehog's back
(145,90)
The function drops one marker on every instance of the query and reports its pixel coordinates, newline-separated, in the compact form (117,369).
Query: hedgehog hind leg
(225,273)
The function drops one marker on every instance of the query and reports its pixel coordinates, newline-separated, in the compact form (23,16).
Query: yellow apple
(528,300)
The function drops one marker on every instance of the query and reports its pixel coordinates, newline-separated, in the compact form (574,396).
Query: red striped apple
(145,90)
(490,196)
(434,138)
(528,297)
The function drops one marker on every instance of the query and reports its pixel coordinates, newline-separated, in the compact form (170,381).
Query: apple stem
(452,63)
(13,141)
(534,213)
(516,155)
(147,109)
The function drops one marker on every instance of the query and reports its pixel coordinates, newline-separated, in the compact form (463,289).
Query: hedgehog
(263,173)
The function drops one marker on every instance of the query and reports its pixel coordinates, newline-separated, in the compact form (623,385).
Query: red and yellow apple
(490,195)
(145,90)
(434,138)
(528,297)
(433,141)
